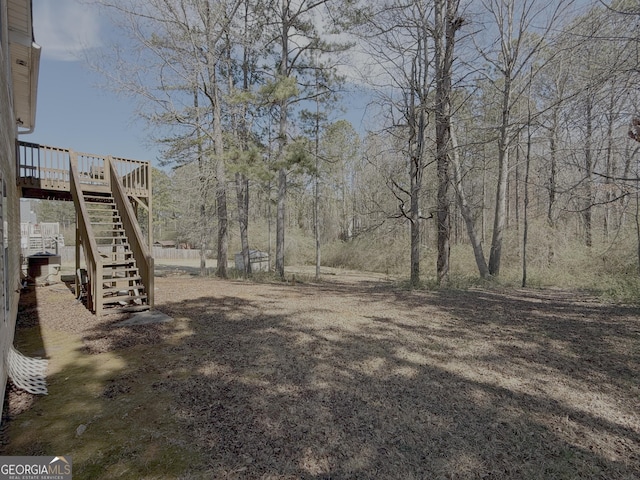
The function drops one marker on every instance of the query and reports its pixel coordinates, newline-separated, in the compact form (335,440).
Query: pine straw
(361,380)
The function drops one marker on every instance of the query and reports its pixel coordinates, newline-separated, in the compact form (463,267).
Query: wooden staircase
(119,268)
(113,259)
(122,285)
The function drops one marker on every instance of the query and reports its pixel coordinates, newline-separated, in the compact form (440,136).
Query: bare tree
(446,23)
(515,47)
(465,209)
(399,36)
(171,63)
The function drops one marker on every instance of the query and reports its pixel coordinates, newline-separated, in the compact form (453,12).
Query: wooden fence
(67,254)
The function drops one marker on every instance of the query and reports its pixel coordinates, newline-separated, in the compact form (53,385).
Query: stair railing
(140,251)
(86,238)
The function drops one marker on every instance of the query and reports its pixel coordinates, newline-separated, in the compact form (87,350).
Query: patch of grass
(92,404)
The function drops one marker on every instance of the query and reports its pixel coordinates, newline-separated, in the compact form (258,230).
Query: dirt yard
(346,379)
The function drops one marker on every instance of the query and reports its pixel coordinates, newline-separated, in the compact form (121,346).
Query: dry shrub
(368,253)
(299,249)
(558,259)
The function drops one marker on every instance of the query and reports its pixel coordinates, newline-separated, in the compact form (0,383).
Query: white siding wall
(9,249)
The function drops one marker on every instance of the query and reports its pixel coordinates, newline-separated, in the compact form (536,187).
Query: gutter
(34,71)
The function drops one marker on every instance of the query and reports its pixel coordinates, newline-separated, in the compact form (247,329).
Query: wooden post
(150,205)
(98,280)
(78,279)
(107,170)
(73,160)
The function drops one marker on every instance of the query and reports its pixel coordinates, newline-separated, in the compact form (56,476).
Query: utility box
(258,260)
(43,267)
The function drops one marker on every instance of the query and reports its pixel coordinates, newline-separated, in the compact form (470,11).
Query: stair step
(121,263)
(127,289)
(118,280)
(127,309)
(101,207)
(105,225)
(120,238)
(119,270)
(102,233)
(100,204)
(118,261)
(107,255)
(104,215)
(123,298)
(98,198)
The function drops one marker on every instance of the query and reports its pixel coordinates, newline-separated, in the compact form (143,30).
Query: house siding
(10,211)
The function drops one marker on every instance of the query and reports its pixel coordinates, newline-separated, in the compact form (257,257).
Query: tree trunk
(242,182)
(416,185)
(283,71)
(516,184)
(483,205)
(465,210)
(221,185)
(444,226)
(447,23)
(316,191)
(525,229)
(204,188)
(553,159)
(280,220)
(203,237)
(223,223)
(638,224)
(416,123)
(503,179)
(316,213)
(242,196)
(608,185)
(588,166)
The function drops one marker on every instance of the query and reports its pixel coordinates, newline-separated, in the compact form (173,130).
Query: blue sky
(73,111)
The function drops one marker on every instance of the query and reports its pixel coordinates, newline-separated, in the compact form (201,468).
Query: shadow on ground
(364,381)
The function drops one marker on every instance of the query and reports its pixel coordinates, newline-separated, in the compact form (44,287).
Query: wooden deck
(43,172)
(106,192)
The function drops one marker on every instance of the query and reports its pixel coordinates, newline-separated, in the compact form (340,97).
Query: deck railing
(43,167)
(144,260)
(47,168)
(56,172)
(86,238)
(134,175)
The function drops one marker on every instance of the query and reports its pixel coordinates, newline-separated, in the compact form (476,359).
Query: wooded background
(498,141)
